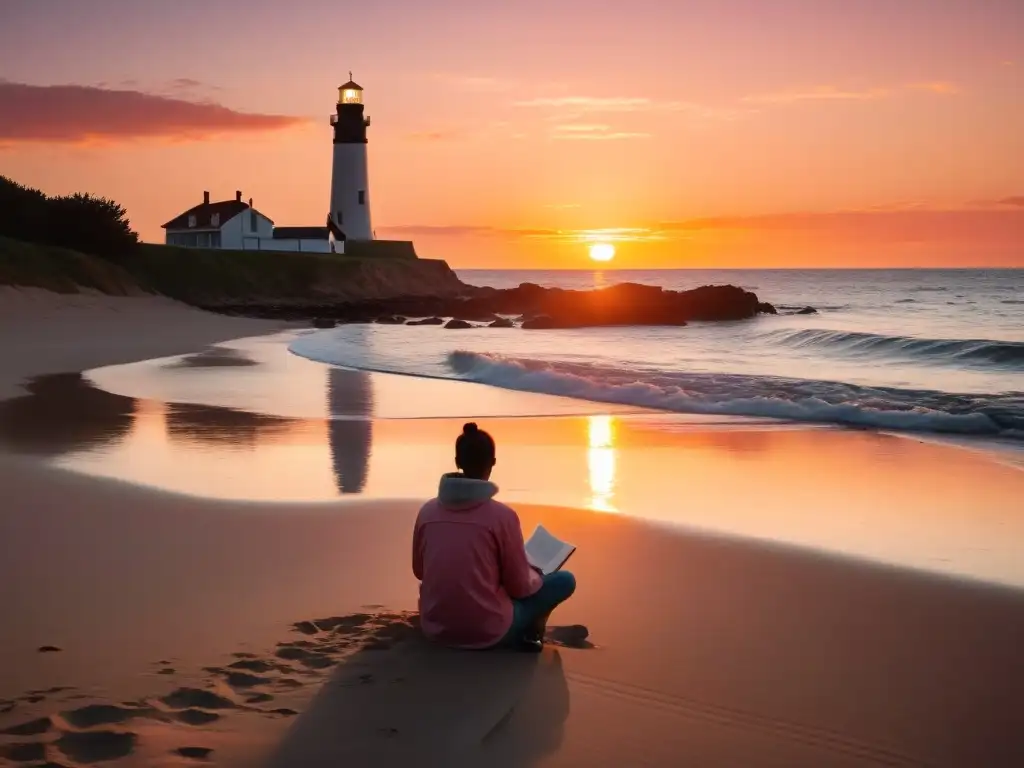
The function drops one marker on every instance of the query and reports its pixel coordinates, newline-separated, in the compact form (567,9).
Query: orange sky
(732,133)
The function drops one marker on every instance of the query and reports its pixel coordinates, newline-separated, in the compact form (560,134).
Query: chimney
(238,195)
(250,202)
(206,198)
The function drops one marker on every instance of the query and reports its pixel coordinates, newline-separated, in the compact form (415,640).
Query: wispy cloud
(881,226)
(1016,201)
(593,132)
(595,105)
(440,134)
(839,93)
(474,83)
(32,113)
(591,103)
(818,93)
(464,230)
(943,87)
(612,234)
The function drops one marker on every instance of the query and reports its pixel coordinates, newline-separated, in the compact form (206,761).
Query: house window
(215,220)
(362,197)
(337,218)
(192,220)
(252,221)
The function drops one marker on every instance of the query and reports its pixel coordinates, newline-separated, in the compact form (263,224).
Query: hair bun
(470,428)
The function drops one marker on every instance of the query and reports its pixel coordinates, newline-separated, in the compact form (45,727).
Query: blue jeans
(556,589)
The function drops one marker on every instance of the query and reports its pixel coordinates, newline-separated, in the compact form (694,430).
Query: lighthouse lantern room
(350,188)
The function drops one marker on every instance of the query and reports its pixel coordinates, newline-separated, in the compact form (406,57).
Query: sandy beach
(196,572)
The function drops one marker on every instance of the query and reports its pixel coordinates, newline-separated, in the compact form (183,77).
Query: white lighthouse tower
(350,181)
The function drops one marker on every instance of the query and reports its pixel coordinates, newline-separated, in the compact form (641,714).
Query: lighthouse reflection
(601,461)
(349,431)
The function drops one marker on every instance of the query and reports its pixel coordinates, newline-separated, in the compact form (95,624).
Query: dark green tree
(82,222)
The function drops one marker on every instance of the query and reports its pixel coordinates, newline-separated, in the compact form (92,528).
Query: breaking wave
(1007,355)
(802,400)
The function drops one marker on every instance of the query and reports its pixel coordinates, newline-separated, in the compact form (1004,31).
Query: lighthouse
(350,181)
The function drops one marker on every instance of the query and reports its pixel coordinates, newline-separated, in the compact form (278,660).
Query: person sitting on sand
(477,589)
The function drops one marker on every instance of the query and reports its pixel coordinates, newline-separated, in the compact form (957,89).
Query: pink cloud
(79,113)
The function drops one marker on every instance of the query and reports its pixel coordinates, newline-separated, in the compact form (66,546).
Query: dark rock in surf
(807,311)
(426,321)
(765,308)
(457,324)
(624,304)
(501,322)
(539,322)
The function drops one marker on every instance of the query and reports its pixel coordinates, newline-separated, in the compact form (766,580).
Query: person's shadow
(432,706)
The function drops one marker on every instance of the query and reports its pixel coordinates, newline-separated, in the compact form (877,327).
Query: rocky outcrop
(624,304)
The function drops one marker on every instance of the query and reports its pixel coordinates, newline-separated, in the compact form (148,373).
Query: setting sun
(602,251)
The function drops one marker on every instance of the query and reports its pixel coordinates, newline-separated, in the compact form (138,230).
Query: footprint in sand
(307,658)
(187,698)
(93,715)
(194,753)
(239,679)
(30,728)
(23,752)
(259,666)
(197,717)
(572,636)
(96,746)
(55,689)
(283,711)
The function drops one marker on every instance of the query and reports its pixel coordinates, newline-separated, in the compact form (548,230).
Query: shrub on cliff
(86,223)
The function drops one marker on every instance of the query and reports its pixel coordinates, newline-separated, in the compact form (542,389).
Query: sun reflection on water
(601,462)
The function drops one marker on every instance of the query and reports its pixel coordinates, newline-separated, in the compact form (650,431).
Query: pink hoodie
(468,553)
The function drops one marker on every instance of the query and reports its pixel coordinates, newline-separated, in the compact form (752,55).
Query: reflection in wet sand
(601,461)
(215,357)
(350,394)
(186,423)
(64,414)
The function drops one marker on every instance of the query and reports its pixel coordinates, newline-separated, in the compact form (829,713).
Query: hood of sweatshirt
(456,491)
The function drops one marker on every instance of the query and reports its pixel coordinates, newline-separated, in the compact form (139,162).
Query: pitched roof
(227,209)
(300,233)
(351,85)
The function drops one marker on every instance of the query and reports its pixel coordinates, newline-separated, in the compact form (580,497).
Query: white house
(235,225)
(229,224)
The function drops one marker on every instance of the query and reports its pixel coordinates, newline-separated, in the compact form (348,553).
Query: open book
(546,552)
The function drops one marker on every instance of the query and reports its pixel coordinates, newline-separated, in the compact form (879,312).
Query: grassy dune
(212,277)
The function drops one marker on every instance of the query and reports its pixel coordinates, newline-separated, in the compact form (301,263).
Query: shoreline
(707,648)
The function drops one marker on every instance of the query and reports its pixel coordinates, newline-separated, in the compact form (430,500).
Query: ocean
(937,352)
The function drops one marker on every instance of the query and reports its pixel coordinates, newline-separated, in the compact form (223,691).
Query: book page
(547,552)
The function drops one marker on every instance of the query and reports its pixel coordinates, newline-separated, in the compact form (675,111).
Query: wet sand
(281,633)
